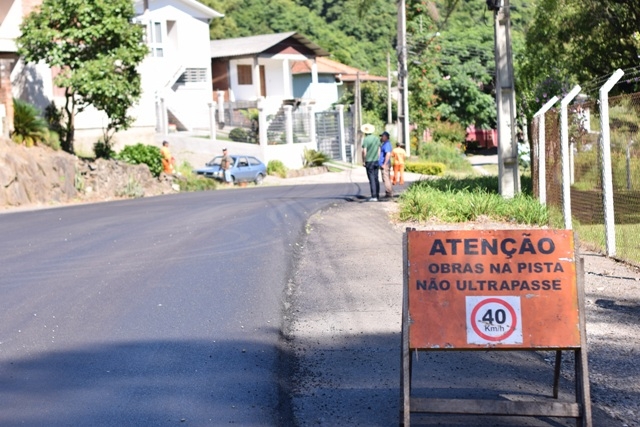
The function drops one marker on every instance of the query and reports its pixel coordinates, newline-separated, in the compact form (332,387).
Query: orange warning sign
(492,288)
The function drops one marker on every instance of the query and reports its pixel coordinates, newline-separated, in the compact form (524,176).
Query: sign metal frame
(580,409)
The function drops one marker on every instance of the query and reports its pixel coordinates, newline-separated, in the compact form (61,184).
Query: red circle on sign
(505,305)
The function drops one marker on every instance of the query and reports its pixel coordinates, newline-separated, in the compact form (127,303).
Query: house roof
(204,11)
(254,45)
(327,66)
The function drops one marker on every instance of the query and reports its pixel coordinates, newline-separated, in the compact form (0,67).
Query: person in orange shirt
(167,160)
(398,155)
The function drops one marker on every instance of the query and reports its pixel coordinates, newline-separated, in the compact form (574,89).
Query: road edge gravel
(612,301)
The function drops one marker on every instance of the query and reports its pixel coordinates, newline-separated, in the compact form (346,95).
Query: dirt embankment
(39,176)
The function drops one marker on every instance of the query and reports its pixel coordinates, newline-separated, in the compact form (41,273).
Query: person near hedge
(385,163)
(398,155)
(370,153)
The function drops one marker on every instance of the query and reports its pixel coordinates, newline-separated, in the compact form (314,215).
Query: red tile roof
(327,66)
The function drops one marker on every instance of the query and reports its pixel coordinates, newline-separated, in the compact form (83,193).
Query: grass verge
(467,199)
(192,182)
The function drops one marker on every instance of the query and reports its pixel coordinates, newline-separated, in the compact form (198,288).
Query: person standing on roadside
(385,164)
(398,155)
(370,153)
(167,160)
(225,165)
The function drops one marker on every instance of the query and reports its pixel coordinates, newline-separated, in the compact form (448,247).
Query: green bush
(28,127)
(276,167)
(53,116)
(425,168)
(311,158)
(193,182)
(448,132)
(238,135)
(103,150)
(189,181)
(142,154)
(52,140)
(448,154)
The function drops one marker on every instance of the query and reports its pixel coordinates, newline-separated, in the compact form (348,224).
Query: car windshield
(215,162)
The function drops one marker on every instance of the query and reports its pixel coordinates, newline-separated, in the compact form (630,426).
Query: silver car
(244,169)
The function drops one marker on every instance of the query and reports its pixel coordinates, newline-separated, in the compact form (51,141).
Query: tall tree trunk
(69,108)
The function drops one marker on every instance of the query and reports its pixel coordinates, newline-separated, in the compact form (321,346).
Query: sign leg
(556,374)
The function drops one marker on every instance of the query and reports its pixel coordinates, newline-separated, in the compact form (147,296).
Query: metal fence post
(566,171)
(311,111)
(605,148)
(212,120)
(262,127)
(341,136)
(542,161)
(221,109)
(288,124)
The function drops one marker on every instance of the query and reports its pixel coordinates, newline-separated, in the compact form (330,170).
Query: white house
(175,75)
(333,79)
(248,68)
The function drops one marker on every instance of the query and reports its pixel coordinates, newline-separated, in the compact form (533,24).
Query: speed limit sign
(494,320)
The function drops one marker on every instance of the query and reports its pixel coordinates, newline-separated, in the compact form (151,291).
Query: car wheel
(259,179)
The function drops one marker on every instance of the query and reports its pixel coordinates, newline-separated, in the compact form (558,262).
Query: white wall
(274,77)
(324,94)
(278,78)
(241,92)
(191,51)
(289,154)
(9,29)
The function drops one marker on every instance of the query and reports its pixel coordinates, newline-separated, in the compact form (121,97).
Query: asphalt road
(157,311)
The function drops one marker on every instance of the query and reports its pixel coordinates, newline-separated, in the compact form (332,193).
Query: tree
(97,48)
(359,41)
(578,41)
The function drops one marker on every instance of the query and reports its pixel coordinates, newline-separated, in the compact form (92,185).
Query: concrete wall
(325,93)
(289,154)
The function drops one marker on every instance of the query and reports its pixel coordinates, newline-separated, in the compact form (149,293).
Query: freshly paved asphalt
(154,311)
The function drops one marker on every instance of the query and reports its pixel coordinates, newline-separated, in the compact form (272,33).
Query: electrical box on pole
(509,179)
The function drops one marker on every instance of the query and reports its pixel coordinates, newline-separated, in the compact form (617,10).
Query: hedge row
(425,168)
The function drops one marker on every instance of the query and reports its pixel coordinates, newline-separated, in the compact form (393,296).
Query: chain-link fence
(586,172)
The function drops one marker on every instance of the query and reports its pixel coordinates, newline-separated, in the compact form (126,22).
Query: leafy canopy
(96,47)
(579,41)
(358,40)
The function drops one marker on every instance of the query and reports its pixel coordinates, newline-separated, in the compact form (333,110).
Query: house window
(245,75)
(156,33)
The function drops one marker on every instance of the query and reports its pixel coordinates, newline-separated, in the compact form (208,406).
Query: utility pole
(508,174)
(389,115)
(357,121)
(403,92)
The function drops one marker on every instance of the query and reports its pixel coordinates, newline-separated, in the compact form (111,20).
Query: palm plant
(311,158)
(28,127)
